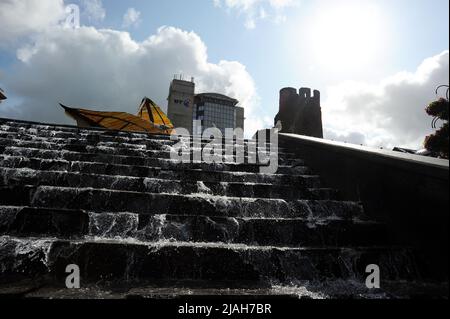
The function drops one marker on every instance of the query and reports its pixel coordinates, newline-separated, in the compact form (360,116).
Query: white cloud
(20,18)
(255,10)
(108,70)
(262,14)
(282,3)
(93,10)
(390,113)
(131,18)
(250,23)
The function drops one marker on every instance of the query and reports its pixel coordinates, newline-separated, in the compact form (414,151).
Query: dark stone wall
(408,192)
(300,113)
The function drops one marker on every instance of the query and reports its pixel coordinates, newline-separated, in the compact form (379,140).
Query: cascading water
(118,206)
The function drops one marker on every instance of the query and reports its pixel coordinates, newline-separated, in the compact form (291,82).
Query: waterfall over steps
(116,205)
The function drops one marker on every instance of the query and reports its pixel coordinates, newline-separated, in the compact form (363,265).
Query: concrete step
(102,200)
(130,262)
(164,169)
(13,176)
(290,232)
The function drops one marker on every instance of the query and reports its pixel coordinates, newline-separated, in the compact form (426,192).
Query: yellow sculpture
(150,119)
(2,95)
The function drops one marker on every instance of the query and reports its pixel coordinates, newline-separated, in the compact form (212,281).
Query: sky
(376,62)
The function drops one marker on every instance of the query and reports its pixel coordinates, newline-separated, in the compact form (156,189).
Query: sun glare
(347,36)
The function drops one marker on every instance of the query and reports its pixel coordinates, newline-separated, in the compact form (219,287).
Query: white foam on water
(140,147)
(225,199)
(180,145)
(164,243)
(101,148)
(160,223)
(299,291)
(32,244)
(358,220)
(162,186)
(116,225)
(27,246)
(202,188)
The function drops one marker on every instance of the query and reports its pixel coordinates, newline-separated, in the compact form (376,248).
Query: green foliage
(438,109)
(438,143)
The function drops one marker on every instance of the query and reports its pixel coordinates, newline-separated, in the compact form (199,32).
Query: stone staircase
(138,223)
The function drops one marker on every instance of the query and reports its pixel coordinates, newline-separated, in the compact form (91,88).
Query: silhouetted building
(300,113)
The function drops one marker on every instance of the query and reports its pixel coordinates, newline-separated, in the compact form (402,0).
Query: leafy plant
(438,143)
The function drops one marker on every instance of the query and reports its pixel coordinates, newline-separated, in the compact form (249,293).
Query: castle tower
(288,106)
(300,113)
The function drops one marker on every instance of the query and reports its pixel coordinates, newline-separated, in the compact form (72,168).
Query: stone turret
(288,105)
(300,113)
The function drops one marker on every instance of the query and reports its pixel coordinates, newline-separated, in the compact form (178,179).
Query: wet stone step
(11,177)
(297,177)
(46,137)
(102,200)
(67,131)
(34,127)
(104,261)
(247,158)
(11,129)
(52,153)
(334,289)
(290,232)
(130,169)
(294,181)
(85,159)
(80,144)
(29,222)
(24,153)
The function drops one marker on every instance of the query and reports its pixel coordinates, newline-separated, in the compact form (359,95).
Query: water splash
(202,188)
(17,253)
(113,225)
